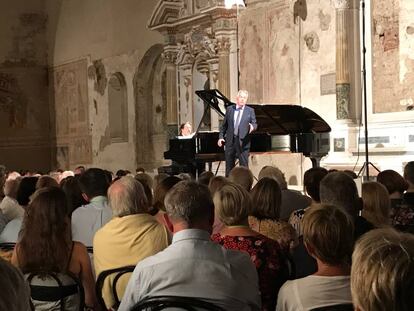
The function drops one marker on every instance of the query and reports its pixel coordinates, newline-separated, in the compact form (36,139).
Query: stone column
(348,81)
(223,49)
(170,57)
(214,73)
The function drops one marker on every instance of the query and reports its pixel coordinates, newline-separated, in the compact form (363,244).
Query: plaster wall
(24,112)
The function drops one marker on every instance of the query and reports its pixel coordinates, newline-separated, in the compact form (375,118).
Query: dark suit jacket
(227,129)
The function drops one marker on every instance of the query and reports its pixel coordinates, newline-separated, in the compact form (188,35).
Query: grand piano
(280,128)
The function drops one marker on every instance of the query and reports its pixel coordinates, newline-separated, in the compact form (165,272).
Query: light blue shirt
(88,219)
(194,266)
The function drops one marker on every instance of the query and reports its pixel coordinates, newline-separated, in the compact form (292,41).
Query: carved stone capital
(223,45)
(345,4)
(170,57)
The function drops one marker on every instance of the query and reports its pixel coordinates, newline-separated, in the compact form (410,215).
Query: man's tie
(236,125)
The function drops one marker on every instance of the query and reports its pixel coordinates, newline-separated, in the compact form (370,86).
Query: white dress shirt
(194,266)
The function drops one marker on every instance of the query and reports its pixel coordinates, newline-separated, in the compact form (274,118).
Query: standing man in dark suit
(239,122)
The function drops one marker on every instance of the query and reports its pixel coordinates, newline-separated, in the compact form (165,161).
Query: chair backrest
(56,291)
(165,302)
(116,273)
(340,307)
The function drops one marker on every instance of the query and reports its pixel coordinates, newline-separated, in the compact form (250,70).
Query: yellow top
(124,241)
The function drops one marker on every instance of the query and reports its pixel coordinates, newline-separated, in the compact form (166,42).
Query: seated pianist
(185,131)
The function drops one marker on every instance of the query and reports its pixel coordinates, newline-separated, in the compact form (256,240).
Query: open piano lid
(273,119)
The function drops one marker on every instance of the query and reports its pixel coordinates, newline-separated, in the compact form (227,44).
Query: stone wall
(24,111)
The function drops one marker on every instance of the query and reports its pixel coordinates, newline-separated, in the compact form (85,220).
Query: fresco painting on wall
(71,111)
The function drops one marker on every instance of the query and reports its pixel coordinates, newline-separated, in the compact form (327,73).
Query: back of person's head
(275,173)
(74,198)
(79,170)
(139,170)
(126,197)
(94,183)
(120,173)
(242,176)
(267,198)
(46,181)
(45,236)
(312,179)
(161,191)
(339,189)
(393,181)
(26,188)
(11,186)
(376,204)
(351,174)
(232,204)
(382,274)
(409,172)
(205,177)
(15,291)
(190,202)
(158,178)
(328,234)
(216,183)
(64,175)
(144,178)
(185,176)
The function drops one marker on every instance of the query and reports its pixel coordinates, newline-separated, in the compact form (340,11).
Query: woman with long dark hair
(45,241)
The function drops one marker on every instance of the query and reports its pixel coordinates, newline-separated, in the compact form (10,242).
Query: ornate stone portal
(198,52)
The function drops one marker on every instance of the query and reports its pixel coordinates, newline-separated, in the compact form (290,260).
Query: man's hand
(221,142)
(251,128)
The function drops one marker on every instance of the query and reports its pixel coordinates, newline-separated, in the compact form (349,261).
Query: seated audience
(45,242)
(88,219)
(193,265)
(376,204)
(291,200)
(65,174)
(265,213)
(216,183)
(242,176)
(311,182)
(339,189)
(130,236)
(327,234)
(232,204)
(144,178)
(74,198)
(159,195)
(205,177)
(9,206)
(46,181)
(394,182)
(15,292)
(79,170)
(382,271)
(404,212)
(26,188)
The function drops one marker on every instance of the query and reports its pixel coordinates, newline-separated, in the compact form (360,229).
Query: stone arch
(118,108)
(150,109)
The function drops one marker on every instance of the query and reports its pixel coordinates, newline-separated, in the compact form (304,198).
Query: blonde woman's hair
(376,204)
(328,233)
(382,274)
(275,173)
(232,204)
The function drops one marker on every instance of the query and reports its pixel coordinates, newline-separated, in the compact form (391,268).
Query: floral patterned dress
(267,257)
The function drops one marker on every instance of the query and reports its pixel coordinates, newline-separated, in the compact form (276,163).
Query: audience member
(64,175)
(139,170)
(45,242)
(193,265)
(242,176)
(265,214)
(15,292)
(9,206)
(327,233)
(159,195)
(382,271)
(130,236)
(215,184)
(74,198)
(291,200)
(158,178)
(144,178)
(46,181)
(311,182)
(205,177)
(404,212)
(232,204)
(376,204)
(185,176)
(3,177)
(79,170)
(26,188)
(87,219)
(339,189)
